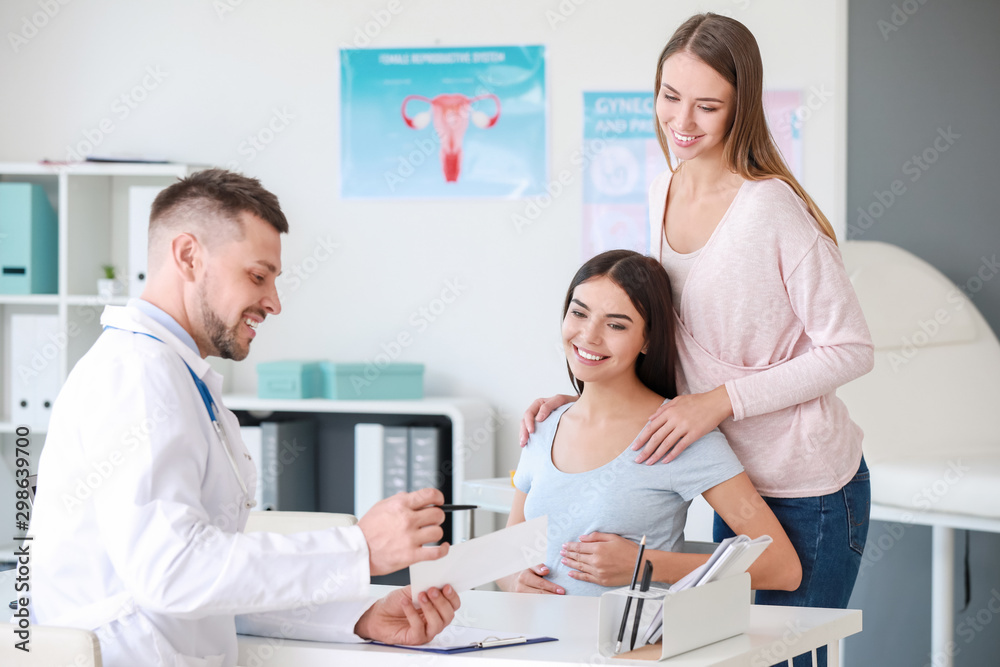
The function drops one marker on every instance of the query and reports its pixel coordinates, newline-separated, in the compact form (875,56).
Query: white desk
(943,526)
(775,633)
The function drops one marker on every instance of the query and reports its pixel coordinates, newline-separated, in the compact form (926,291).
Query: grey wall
(923,85)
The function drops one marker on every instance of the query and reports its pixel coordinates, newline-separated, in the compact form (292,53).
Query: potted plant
(109,286)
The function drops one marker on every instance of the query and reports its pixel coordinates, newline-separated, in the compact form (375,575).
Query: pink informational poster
(784,117)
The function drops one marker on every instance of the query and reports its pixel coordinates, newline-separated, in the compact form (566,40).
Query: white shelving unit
(473,427)
(91,201)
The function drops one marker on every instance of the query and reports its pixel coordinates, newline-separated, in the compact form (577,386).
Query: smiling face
(695,107)
(602,331)
(237,290)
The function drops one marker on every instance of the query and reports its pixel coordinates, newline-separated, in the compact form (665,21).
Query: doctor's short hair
(207,197)
(647,285)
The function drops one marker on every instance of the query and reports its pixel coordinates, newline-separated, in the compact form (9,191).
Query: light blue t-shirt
(622,497)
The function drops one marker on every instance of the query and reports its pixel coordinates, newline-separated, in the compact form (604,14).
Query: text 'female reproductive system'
(451,113)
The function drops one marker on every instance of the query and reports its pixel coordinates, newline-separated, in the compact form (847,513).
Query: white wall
(225,73)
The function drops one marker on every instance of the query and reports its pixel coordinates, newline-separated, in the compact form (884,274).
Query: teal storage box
(29,245)
(372,382)
(289,379)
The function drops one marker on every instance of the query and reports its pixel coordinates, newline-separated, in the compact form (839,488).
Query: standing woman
(768,324)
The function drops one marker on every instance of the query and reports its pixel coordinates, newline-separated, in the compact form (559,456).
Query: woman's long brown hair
(728,47)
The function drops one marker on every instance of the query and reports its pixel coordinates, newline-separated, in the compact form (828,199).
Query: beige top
(678,266)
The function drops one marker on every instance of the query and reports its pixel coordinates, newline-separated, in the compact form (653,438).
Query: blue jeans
(829,534)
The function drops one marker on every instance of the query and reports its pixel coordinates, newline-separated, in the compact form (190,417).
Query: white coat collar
(130,318)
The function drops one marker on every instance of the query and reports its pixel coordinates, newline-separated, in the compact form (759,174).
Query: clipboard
(461,639)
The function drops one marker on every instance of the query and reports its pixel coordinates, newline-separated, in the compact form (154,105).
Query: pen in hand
(647,577)
(628,601)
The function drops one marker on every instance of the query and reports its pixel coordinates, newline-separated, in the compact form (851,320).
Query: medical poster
(622,157)
(443,122)
(784,116)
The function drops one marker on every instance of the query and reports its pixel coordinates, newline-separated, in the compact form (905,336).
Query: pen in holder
(692,618)
(647,577)
(628,600)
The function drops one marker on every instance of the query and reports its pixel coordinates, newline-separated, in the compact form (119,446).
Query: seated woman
(579,468)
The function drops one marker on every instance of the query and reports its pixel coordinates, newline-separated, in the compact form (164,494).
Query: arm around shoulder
(839,347)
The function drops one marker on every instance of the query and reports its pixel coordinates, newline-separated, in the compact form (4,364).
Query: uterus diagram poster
(621,157)
(443,122)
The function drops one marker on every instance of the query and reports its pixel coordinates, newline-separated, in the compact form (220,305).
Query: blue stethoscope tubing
(206,398)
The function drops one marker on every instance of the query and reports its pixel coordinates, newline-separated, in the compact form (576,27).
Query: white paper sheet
(484,559)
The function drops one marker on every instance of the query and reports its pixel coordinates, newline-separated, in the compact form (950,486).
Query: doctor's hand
(539,410)
(601,558)
(394,620)
(679,423)
(395,529)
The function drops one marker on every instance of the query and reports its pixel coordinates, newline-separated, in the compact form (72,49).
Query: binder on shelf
(395,460)
(425,457)
(34,368)
(29,242)
(140,202)
(368,440)
(390,459)
(288,466)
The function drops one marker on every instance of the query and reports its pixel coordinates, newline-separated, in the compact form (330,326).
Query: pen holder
(692,618)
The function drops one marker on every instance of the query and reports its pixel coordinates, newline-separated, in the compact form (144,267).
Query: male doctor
(145,485)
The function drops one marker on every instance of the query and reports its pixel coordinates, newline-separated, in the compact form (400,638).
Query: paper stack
(733,556)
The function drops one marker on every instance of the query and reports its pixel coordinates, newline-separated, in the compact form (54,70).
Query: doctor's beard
(225,340)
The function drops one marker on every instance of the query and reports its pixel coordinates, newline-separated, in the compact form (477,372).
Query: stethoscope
(206,398)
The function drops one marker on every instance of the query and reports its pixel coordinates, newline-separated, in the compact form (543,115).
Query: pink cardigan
(768,311)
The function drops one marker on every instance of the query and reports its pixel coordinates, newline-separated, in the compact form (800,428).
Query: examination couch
(930,409)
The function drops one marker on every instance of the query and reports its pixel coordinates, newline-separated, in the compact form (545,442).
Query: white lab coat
(138,518)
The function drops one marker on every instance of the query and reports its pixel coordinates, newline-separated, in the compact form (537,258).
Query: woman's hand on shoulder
(679,423)
(532,580)
(605,559)
(539,410)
